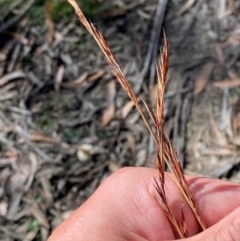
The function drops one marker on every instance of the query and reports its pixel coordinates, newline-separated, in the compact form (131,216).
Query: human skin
(126,208)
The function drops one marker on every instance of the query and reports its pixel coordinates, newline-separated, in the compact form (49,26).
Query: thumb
(227,229)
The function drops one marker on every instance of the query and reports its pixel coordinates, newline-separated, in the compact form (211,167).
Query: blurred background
(65,122)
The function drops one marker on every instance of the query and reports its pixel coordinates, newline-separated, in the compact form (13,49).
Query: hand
(126,207)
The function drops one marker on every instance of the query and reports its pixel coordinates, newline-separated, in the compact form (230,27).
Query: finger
(226,229)
(215,198)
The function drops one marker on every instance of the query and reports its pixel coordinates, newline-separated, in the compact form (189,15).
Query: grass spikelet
(165,151)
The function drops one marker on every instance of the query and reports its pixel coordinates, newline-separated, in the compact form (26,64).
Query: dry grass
(165,151)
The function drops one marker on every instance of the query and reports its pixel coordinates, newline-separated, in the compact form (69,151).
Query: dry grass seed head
(164,146)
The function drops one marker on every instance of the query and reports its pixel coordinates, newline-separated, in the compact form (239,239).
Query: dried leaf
(39,137)
(143,14)
(14,75)
(133,118)
(219,137)
(3,57)
(82,79)
(47,190)
(131,142)
(18,179)
(31,235)
(3,208)
(153,94)
(218,152)
(229,128)
(113,167)
(11,155)
(234,40)
(96,76)
(219,54)
(59,77)
(8,96)
(66,214)
(34,168)
(21,38)
(232,74)
(141,158)
(203,78)
(226,84)
(236,122)
(226,12)
(235,140)
(108,113)
(124,111)
(77,82)
(186,7)
(39,215)
(221,9)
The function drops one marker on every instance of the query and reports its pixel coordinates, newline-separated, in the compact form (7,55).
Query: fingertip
(226,229)
(214,197)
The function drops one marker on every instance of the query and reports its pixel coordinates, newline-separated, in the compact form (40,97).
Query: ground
(65,122)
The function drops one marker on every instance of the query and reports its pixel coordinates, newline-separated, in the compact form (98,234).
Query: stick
(153,43)
(15,19)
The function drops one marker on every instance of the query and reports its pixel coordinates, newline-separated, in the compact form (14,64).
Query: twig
(172,93)
(153,43)
(14,57)
(182,138)
(185,30)
(16,110)
(180,119)
(13,5)
(23,134)
(15,19)
(225,169)
(224,109)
